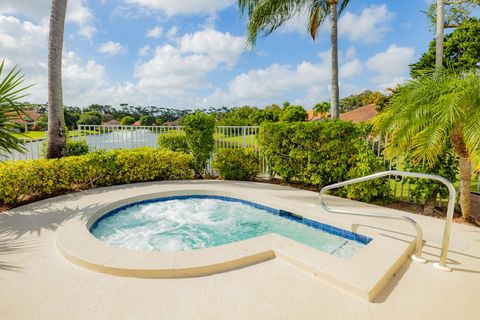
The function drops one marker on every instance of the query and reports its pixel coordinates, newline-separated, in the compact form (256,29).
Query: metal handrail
(442,264)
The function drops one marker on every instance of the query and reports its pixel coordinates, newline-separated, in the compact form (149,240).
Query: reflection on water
(123,139)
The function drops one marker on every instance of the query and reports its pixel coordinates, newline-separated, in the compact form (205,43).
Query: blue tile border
(278,212)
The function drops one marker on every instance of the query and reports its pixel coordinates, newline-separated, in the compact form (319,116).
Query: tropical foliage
(461,50)
(266,16)
(43,177)
(293,113)
(422,189)
(127,121)
(90,118)
(428,114)
(11,91)
(456,12)
(320,153)
(174,141)
(237,164)
(199,129)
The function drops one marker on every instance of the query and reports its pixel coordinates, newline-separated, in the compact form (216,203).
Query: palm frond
(10,92)
(265,16)
(318,13)
(422,116)
(343,6)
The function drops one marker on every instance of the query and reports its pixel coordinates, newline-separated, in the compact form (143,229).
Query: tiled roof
(361,114)
(112,122)
(311,117)
(24,117)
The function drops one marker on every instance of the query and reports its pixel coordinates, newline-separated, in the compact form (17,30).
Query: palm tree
(56,140)
(428,113)
(265,16)
(440,34)
(10,92)
(321,109)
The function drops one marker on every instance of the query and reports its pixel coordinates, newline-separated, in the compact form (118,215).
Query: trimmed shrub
(321,153)
(42,177)
(147,120)
(293,114)
(76,148)
(174,141)
(199,129)
(446,166)
(127,121)
(237,164)
(90,118)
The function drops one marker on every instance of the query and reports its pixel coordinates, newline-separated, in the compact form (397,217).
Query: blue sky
(191,54)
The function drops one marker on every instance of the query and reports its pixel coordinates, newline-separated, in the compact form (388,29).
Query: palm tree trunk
(56,139)
(465,180)
(334,43)
(440,34)
(458,144)
(429,207)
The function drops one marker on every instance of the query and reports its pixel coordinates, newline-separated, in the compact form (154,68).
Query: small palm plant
(11,91)
(428,114)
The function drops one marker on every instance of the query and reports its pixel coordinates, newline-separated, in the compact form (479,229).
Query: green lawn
(30,135)
(226,140)
(42,134)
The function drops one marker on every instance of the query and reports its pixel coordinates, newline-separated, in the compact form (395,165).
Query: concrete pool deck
(39,283)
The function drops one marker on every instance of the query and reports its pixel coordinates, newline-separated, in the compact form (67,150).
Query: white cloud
(278,82)
(36,9)
(369,26)
(172,33)
(176,74)
(25,44)
(351,68)
(155,32)
(78,12)
(186,66)
(391,65)
(178,7)
(220,47)
(112,48)
(144,51)
(81,79)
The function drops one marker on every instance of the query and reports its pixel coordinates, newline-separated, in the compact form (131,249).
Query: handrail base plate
(437,266)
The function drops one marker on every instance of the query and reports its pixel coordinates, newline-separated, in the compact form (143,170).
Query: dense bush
(90,118)
(199,129)
(147,120)
(293,113)
(76,148)
(127,121)
(45,177)
(237,164)
(174,141)
(321,153)
(446,166)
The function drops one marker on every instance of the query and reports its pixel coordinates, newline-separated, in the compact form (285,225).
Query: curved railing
(417,256)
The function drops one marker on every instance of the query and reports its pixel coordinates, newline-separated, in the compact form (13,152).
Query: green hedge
(321,153)
(199,130)
(45,177)
(237,164)
(174,141)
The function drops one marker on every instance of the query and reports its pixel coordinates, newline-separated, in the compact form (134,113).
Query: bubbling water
(194,223)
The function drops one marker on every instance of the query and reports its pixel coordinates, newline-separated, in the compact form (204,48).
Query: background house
(25,118)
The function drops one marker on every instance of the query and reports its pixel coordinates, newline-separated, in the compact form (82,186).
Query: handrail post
(442,264)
